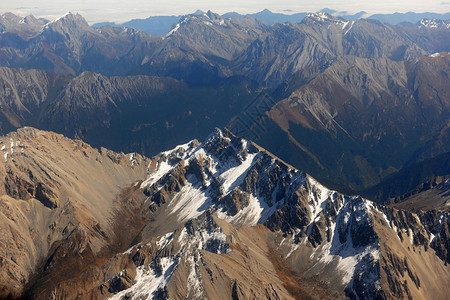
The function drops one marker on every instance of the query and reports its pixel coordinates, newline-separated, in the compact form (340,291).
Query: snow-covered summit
(434,24)
(209,18)
(325,18)
(205,198)
(69,21)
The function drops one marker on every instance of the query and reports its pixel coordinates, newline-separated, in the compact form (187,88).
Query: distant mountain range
(160,25)
(360,106)
(350,102)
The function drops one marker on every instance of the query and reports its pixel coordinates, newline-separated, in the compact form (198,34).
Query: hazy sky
(124,10)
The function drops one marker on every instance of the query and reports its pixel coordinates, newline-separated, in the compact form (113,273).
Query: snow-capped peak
(320,16)
(177,26)
(323,17)
(434,23)
(59,18)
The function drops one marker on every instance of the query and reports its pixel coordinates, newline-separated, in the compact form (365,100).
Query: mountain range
(222,218)
(329,177)
(103,85)
(161,25)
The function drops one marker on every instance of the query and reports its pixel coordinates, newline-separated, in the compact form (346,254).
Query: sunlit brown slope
(55,190)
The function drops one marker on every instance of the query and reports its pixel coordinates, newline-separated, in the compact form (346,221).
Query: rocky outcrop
(353,90)
(59,200)
(340,124)
(208,218)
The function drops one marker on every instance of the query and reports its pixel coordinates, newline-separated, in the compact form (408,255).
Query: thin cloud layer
(121,11)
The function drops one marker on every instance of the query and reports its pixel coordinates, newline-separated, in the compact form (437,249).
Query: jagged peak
(434,23)
(208,17)
(320,16)
(10,15)
(325,18)
(198,12)
(66,19)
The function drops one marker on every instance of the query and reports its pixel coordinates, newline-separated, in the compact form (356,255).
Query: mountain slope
(202,47)
(346,237)
(434,194)
(144,114)
(315,43)
(384,68)
(59,197)
(363,119)
(226,219)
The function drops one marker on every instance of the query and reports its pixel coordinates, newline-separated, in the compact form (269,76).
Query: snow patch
(257,211)
(235,176)
(190,202)
(148,282)
(351,26)
(318,197)
(162,168)
(345,255)
(132,160)
(194,281)
(387,220)
(164,240)
(204,237)
(432,237)
(172,31)
(56,20)
(411,236)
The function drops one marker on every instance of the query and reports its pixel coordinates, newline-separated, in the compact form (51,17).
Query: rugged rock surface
(431,195)
(144,114)
(219,219)
(363,119)
(202,47)
(59,199)
(25,27)
(377,70)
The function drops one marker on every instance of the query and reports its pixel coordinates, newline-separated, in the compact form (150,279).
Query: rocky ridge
(208,217)
(225,207)
(58,200)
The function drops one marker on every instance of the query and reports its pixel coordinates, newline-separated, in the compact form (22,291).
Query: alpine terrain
(218,219)
(352,102)
(208,156)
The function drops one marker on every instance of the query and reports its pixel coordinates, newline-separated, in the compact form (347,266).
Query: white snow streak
(147,282)
(189,203)
(233,176)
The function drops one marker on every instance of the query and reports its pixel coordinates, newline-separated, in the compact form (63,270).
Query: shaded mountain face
(307,48)
(145,114)
(208,45)
(434,194)
(363,119)
(411,179)
(68,45)
(223,218)
(358,100)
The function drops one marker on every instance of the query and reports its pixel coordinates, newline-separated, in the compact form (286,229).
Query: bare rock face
(354,122)
(316,232)
(58,199)
(221,219)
